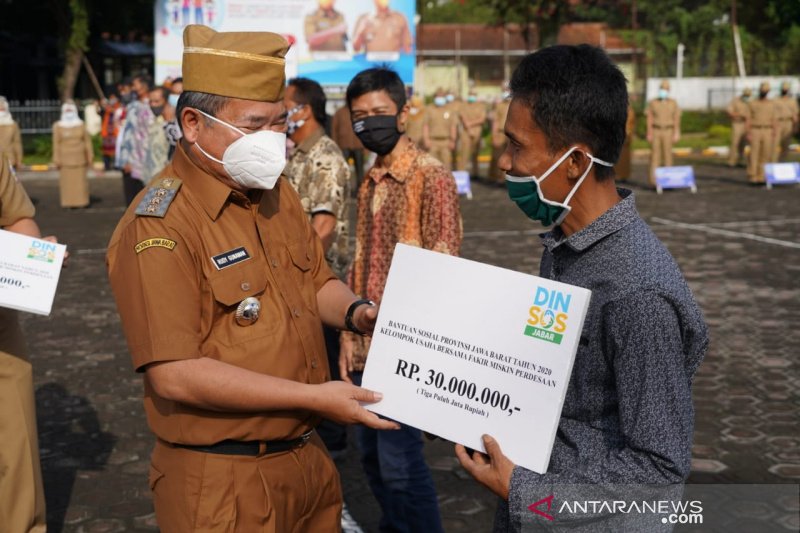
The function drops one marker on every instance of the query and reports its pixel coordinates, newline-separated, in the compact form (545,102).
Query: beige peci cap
(247,65)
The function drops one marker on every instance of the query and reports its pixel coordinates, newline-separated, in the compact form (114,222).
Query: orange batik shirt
(413,201)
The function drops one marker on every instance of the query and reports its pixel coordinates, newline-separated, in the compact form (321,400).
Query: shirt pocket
(230,286)
(300,258)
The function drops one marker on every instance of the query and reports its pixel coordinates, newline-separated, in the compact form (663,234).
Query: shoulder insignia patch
(158,197)
(159,242)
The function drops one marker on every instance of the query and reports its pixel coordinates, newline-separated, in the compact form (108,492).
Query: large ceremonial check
(29,270)
(461,349)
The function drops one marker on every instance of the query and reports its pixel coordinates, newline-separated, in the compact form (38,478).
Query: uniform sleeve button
(274,263)
(313,363)
(245,286)
(296,312)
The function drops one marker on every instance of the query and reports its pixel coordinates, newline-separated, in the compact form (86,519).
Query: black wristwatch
(348,317)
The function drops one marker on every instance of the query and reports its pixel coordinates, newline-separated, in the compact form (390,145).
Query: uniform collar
(400,169)
(620,215)
(311,140)
(211,193)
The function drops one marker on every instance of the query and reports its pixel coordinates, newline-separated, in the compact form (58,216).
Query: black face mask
(378,133)
(126,98)
(763,94)
(784,92)
(157,109)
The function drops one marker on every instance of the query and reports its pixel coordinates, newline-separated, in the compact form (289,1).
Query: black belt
(663,127)
(252,448)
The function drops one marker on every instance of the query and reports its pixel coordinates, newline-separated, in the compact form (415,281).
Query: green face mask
(526,192)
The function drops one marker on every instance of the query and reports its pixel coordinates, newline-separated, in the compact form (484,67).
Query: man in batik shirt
(408,197)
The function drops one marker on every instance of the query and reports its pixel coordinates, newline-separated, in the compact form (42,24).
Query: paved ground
(738,246)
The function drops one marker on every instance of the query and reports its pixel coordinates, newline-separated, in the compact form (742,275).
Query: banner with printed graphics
(331,40)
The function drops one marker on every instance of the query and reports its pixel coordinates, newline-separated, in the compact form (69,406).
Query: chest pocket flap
(233,284)
(301,256)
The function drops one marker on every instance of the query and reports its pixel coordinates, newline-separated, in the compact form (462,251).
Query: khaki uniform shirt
(471,112)
(415,123)
(72,146)
(763,113)
(14,205)
(439,121)
(376,32)
(11,143)
(178,280)
(321,20)
(14,202)
(500,114)
(321,177)
(739,109)
(787,108)
(664,113)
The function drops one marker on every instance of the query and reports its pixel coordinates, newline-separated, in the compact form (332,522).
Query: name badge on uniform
(230,258)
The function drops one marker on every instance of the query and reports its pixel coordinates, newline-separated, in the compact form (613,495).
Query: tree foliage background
(769,29)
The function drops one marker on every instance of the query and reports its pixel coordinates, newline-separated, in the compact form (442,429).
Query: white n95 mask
(255,160)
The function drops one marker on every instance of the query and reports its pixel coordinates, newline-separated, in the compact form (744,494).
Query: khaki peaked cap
(247,65)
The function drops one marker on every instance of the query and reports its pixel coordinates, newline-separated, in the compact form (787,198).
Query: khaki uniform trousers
(468,148)
(761,152)
(22,508)
(785,139)
(287,492)
(440,149)
(661,154)
(738,142)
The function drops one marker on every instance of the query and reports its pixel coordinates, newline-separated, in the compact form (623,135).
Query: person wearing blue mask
(663,129)
(627,416)
(439,130)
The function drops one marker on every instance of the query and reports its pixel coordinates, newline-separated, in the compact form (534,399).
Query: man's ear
(577,162)
(190,123)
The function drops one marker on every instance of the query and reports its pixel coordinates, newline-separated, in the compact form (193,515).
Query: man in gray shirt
(628,415)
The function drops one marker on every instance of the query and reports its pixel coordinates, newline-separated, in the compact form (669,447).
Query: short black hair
(163,90)
(310,93)
(145,80)
(207,103)
(575,94)
(377,79)
(177,80)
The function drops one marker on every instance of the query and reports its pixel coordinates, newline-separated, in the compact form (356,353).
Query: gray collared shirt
(628,415)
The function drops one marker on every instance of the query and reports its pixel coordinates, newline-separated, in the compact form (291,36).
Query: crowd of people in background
(380,131)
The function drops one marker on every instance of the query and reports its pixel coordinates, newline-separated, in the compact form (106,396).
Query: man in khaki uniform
(439,130)
(385,30)
(325,29)
(499,140)
(762,132)
(787,109)
(10,138)
(22,508)
(663,129)
(473,117)
(416,120)
(738,110)
(222,286)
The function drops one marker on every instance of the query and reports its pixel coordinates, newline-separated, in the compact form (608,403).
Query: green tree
(77,43)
